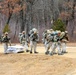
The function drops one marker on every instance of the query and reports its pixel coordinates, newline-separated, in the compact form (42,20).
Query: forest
(22,15)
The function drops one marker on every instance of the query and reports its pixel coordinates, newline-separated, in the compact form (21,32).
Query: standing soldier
(34,38)
(1,37)
(24,41)
(20,38)
(64,40)
(6,40)
(56,43)
(47,40)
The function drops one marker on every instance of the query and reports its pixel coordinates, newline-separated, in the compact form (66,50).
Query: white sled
(15,49)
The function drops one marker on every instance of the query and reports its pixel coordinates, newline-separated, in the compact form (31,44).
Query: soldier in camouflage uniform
(64,39)
(34,38)
(6,41)
(20,38)
(47,40)
(24,41)
(1,37)
(56,43)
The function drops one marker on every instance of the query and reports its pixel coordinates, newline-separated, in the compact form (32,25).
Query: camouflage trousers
(54,46)
(5,47)
(33,45)
(63,45)
(25,45)
(47,46)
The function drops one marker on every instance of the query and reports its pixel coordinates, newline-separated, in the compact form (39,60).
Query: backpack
(55,37)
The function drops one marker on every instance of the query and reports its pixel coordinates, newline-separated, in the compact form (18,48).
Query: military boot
(47,52)
(36,52)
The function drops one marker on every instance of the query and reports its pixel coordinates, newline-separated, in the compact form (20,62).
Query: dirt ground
(38,64)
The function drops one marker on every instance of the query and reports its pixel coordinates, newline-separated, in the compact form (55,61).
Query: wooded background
(27,14)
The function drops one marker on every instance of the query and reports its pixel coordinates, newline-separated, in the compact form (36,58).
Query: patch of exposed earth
(38,64)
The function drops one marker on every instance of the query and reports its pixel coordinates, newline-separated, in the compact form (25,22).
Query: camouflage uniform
(34,38)
(47,40)
(1,38)
(6,40)
(64,40)
(24,41)
(56,43)
(20,38)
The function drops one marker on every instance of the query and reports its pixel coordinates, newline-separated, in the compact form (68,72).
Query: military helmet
(6,33)
(58,31)
(51,30)
(23,32)
(34,30)
(66,31)
(48,31)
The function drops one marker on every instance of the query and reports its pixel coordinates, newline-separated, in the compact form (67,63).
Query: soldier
(34,38)
(1,37)
(49,31)
(6,40)
(64,40)
(56,43)
(20,38)
(47,40)
(24,41)
(44,36)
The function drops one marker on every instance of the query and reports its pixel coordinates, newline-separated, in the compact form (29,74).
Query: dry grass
(37,64)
